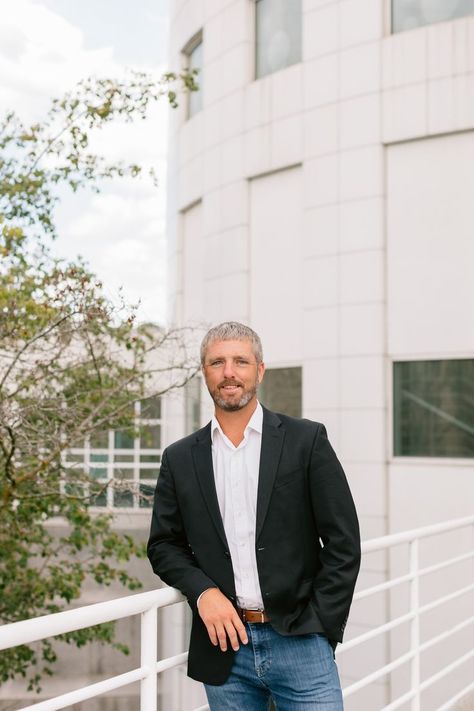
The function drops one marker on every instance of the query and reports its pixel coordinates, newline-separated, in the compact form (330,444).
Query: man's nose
(229,371)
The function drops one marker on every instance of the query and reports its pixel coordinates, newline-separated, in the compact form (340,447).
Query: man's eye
(241,361)
(216,363)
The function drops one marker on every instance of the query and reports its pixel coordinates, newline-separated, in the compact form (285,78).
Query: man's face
(232,373)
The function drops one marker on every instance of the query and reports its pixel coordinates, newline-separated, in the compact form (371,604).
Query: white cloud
(121,231)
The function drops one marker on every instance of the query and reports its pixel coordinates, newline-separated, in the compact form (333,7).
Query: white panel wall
(430,220)
(276,218)
(192,266)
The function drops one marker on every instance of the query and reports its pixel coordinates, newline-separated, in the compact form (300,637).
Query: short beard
(233,407)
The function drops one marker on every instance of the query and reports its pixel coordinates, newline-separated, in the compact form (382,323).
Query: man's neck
(233,423)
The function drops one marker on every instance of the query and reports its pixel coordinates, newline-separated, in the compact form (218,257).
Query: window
(194,59)
(128,458)
(192,404)
(407,14)
(278,35)
(281,391)
(434,408)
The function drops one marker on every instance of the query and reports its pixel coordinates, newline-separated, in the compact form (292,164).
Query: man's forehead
(230,347)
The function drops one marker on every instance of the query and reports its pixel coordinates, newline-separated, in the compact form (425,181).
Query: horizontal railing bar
(383,586)
(460,695)
(445,563)
(447,598)
(375,632)
(88,692)
(444,635)
(171,662)
(400,701)
(378,673)
(376,544)
(400,620)
(409,695)
(446,670)
(27,631)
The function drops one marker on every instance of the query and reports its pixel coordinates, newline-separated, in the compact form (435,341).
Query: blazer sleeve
(338,529)
(168,550)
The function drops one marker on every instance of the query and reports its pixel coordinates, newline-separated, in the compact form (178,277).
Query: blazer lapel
(202,456)
(273,435)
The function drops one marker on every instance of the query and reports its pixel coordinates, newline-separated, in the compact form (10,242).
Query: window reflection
(434,408)
(278,35)
(281,391)
(408,14)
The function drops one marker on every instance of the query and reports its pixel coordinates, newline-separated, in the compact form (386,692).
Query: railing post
(148,658)
(415,623)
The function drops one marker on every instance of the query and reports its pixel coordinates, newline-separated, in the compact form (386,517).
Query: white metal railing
(413,656)
(147,604)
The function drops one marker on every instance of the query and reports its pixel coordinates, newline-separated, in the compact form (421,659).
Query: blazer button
(227,554)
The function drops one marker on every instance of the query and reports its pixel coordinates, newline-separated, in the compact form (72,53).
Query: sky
(46,46)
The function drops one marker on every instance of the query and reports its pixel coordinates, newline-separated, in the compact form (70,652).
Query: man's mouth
(230,388)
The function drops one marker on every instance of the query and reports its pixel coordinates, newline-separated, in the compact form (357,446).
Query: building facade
(321,189)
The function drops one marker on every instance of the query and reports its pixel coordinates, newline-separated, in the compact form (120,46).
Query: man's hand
(221,620)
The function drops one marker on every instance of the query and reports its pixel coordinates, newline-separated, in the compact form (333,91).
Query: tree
(71,365)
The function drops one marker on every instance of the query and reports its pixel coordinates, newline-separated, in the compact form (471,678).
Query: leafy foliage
(71,365)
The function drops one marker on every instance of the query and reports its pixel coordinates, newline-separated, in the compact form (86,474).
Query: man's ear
(260,372)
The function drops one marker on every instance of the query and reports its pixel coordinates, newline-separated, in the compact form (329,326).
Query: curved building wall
(329,205)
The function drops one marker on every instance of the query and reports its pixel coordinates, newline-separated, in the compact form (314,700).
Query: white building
(322,191)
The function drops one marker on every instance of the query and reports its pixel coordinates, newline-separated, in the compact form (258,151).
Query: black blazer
(307,535)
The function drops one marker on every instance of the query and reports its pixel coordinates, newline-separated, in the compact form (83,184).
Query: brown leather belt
(252,615)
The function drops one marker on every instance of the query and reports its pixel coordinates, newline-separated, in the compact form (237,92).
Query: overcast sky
(46,46)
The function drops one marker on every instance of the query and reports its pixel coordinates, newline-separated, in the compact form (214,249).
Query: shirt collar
(255,423)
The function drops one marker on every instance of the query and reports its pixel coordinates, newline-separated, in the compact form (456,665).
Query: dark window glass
(433,408)
(150,409)
(146,496)
(278,35)
(123,499)
(98,495)
(192,400)
(99,440)
(195,61)
(124,439)
(149,473)
(281,391)
(150,437)
(407,14)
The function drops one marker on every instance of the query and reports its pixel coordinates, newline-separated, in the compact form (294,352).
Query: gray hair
(232,331)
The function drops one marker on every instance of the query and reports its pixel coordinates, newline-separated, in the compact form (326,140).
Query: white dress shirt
(236,478)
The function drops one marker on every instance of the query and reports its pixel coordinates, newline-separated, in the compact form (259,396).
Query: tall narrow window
(433,408)
(407,14)
(194,61)
(278,35)
(281,391)
(192,404)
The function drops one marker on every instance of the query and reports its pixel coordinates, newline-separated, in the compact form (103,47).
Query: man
(254,522)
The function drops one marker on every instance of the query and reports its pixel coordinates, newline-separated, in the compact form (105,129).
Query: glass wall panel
(281,391)
(433,408)
(278,35)
(124,439)
(150,408)
(195,62)
(192,404)
(116,477)
(407,14)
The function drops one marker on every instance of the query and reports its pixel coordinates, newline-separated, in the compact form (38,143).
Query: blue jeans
(296,672)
